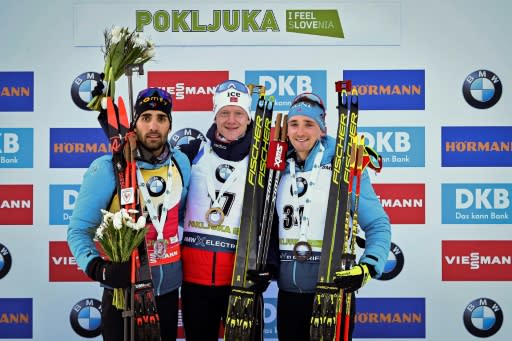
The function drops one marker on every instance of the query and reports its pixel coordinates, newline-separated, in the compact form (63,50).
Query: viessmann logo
(191,90)
(404,203)
(477,260)
(62,264)
(488,146)
(321,22)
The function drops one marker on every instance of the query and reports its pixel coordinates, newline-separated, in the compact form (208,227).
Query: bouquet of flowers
(118,236)
(122,47)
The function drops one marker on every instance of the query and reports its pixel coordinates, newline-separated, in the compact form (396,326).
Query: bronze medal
(302,251)
(214,216)
(159,248)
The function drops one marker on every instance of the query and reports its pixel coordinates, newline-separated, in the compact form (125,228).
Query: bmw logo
(185,136)
(394,263)
(223,172)
(85,318)
(5,261)
(82,87)
(483,317)
(302,186)
(156,186)
(482,89)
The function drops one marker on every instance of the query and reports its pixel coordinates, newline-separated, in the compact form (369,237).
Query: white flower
(107,216)
(118,221)
(141,222)
(149,53)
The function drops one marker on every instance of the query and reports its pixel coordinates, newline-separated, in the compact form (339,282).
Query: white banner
(261,23)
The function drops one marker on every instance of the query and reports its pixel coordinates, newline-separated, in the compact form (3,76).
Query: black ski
(245,310)
(326,303)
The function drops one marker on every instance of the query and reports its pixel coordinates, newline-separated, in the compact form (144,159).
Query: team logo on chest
(302,187)
(156,186)
(223,172)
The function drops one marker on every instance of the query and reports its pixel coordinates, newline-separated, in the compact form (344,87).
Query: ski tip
(123,116)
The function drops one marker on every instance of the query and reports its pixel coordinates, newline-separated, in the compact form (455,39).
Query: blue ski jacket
(301,277)
(96,192)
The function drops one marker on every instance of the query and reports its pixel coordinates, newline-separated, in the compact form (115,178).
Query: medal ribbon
(225,186)
(304,222)
(153,214)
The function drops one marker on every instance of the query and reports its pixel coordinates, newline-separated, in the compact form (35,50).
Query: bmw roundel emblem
(156,186)
(82,87)
(185,136)
(85,318)
(482,89)
(223,172)
(483,317)
(5,261)
(302,186)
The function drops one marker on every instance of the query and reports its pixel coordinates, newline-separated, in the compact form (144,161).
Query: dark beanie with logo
(152,99)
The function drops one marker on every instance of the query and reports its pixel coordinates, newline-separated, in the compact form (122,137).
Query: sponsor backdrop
(433,79)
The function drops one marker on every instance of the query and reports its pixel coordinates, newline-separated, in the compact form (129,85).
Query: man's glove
(355,278)
(115,275)
(260,279)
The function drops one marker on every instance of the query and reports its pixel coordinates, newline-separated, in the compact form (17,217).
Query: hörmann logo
(76,147)
(392,318)
(389,89)
(476,146)
(16,91)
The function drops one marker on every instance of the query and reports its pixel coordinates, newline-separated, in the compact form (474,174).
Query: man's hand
(260,280)
(353,279)
(115,275)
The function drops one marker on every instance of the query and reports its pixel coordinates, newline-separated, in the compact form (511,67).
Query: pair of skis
(331,308)
(244,321)
(141,321)
(328,303)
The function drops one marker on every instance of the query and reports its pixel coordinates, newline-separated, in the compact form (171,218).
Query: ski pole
(128,71)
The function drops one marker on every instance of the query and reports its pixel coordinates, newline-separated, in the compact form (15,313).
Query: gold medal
(214,216)
(159,247)
(302,251)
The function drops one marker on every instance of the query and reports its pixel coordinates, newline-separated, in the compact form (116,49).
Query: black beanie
(152,99)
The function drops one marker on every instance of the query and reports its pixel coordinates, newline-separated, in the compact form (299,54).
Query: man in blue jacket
(164,173)
(303,192)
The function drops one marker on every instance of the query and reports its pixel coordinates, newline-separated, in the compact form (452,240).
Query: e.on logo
(477,260)
(62,264)
(16,205)
(404,203)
